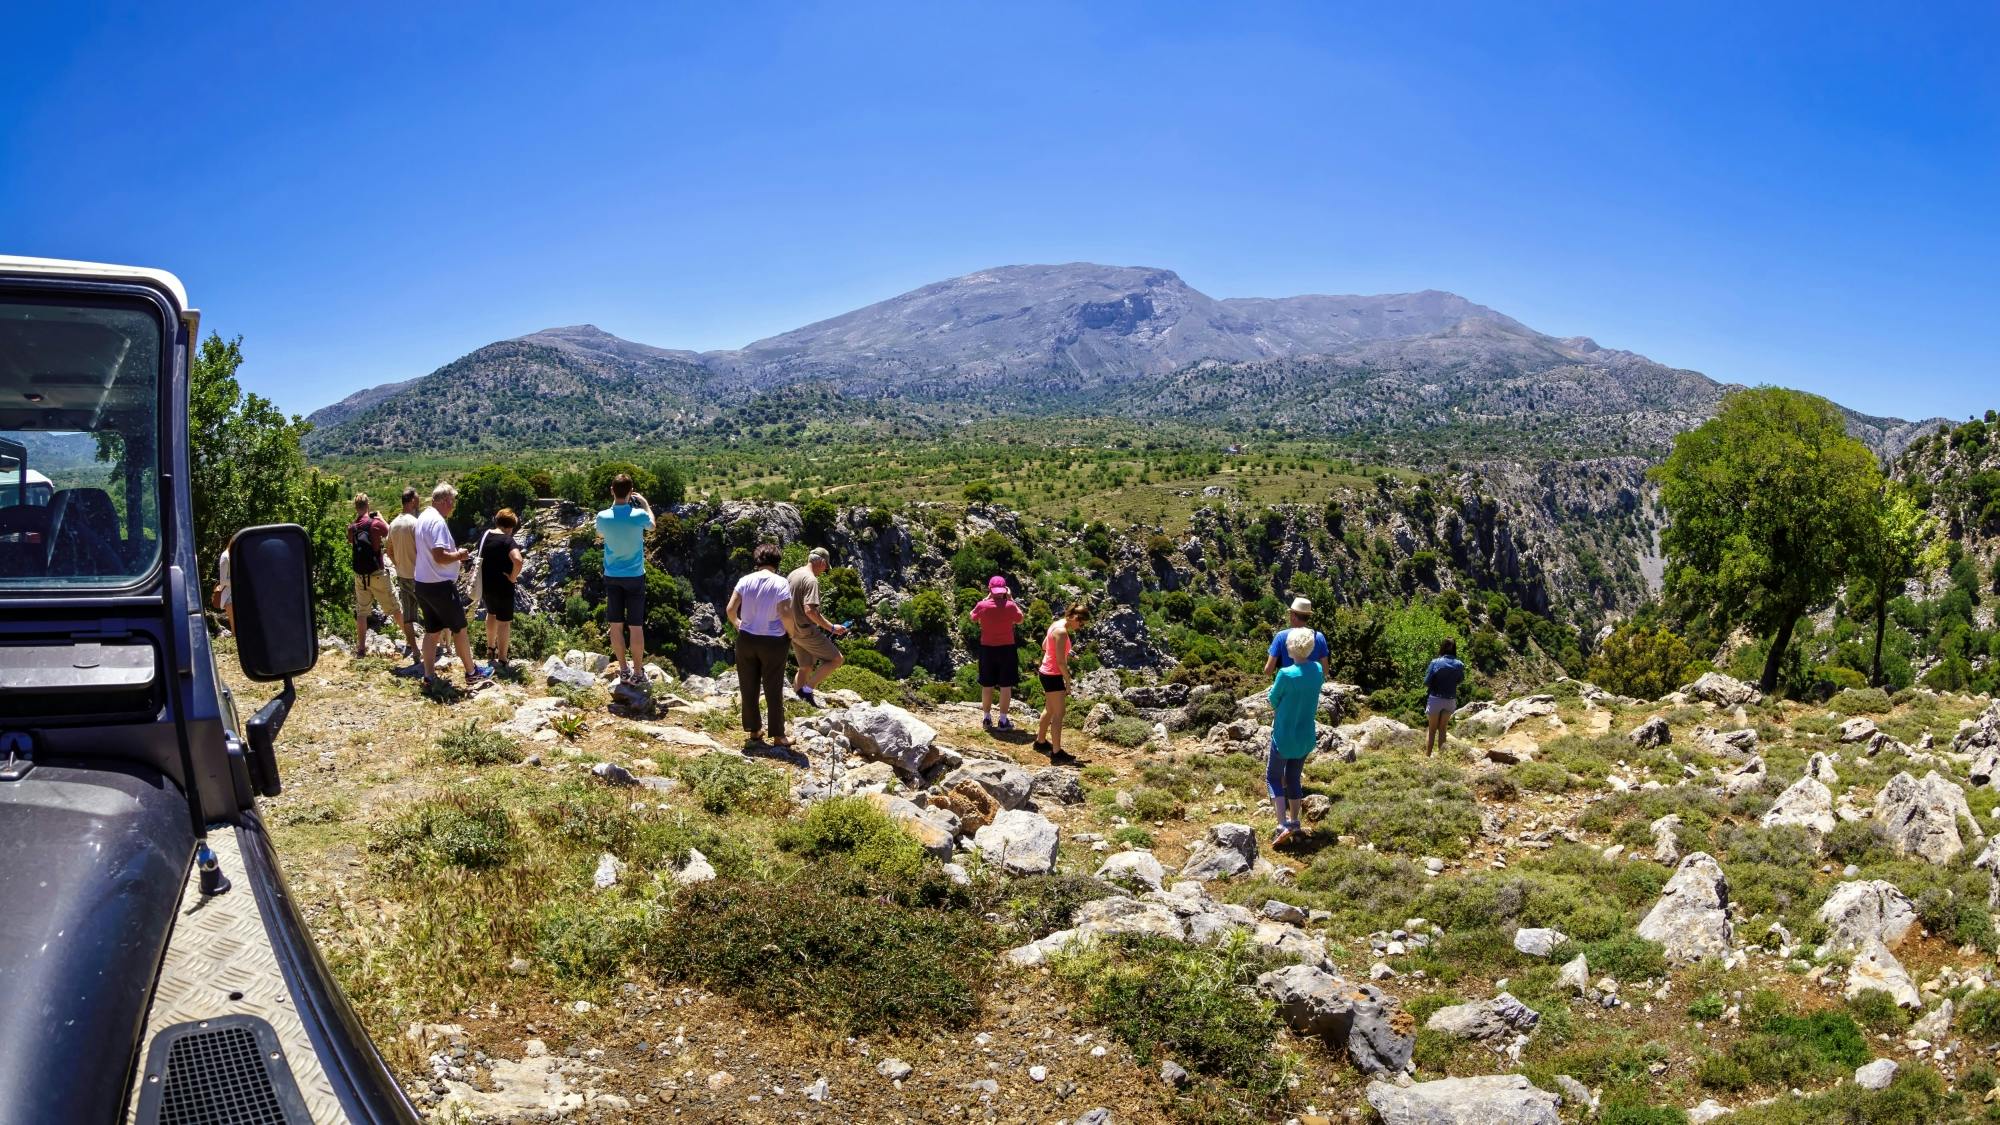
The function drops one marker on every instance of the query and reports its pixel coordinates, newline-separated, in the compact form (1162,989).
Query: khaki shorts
(371,590)
(406,597)
(814,645)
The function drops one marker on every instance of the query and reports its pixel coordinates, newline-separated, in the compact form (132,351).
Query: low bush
(469,744)
(1156,804)
(1916,1094)
(855,964)
(588,940)
(867,684)
(470,829)
(1365,890)
(1624,956)
(1126,731)
(1133,835)
(1784,1049)
(1542,777)
(1722,1072)
(1709,1006)
(1876,1010)
(1860,701)
(1187,1003)
(723,782)
(1979,1015)
(1404,805)
(856,831)
(1042,904)
(1215,707)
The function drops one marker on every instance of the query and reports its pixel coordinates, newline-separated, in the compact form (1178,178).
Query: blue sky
(1800,195)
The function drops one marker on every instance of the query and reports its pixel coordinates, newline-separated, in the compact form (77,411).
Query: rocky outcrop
(1652,733)
(1228,849)
(1497,1099)
(1922,818)
(1019,841)
(1807,804)
(884,732)
(1863,911)
(1138,869)
(1691,919)
(1876,969)
(1484,1020)
(1723,691)
(1378,1035)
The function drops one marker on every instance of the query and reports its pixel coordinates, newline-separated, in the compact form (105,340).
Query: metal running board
(219,963)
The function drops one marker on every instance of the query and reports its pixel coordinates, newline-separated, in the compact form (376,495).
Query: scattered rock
(1059,784)
(1875,967)
(1857,730)
(1575,976)
(1935,1024)
(1743,779)
(560,674)
(1806,804)
(1228,849)
(1863,911)
(1371,1024)
(1277,910)
(611,773)
(1483,1020)
(1022,842)
(1708,1111)
(922,825)
(697,869)
(609,868)
(884,732)
(1537,942)
(1576,1093)
(1724,691)
(1173,1074)
(1921,817)
(1876,1075)
(1138,869)
(1666,839)
(1654,732)
(1691,920)
(1008,784)
(895,1070)
(1496,1099)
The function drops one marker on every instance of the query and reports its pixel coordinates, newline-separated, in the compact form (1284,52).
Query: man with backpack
(371,579)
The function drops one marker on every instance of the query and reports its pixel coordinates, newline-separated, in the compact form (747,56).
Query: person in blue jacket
(1441,682)
(1294,697)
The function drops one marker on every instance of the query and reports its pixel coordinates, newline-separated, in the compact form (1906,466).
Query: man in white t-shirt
(438,559)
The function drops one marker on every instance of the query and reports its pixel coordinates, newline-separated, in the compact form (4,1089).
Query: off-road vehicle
(153,967)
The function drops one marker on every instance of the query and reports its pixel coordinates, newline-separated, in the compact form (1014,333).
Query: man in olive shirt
(813,634)
(403,567)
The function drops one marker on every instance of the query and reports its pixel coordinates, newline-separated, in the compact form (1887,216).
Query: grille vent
(223,1071)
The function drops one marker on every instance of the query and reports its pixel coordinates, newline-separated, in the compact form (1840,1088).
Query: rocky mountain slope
(1077,338)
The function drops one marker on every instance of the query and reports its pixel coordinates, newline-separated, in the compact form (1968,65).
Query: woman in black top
(500,565)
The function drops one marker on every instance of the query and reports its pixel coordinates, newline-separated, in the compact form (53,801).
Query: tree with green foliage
(1640,663)
(246,468)
(1899,545)
(818,516)
(598,488)
(484,491)
(1766,503)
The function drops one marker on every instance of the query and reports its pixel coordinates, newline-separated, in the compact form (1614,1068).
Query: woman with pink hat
(999,665)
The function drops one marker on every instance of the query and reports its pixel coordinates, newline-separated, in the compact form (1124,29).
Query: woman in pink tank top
(1055,677)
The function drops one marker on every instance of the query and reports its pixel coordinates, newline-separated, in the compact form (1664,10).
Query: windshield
(79,455)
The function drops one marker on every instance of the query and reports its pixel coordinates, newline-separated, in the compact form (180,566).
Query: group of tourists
(409,569)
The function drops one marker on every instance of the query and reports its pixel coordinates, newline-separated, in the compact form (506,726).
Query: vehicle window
(79,443)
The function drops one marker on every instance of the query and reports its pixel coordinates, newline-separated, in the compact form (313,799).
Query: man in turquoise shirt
(623,527)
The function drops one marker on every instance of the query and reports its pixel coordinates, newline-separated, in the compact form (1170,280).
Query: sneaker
(482,671)
(806,695)
(986,722)
(1005,723)
(1282,836)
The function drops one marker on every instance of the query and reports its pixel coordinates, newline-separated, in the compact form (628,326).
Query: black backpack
(367,556)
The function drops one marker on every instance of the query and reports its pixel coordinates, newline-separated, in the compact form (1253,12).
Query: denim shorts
(1439,705)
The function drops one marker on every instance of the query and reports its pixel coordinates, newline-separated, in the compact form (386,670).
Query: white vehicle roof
(59,267)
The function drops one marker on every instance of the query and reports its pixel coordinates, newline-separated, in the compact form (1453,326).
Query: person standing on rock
(999,661)
(812,639)
(500,564)
(1056,648)
(403,568)
(1294,698)
(438,559)
(1280,656)
(365,537)
(761,609)
(1441,681)
(623,527)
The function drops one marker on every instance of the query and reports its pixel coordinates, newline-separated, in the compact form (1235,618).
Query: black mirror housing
(270,570)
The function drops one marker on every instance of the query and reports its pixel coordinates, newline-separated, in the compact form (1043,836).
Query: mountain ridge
(1135,341)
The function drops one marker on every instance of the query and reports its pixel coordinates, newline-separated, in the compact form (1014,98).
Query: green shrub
(1722,1072)
(1625,956)
(1042,904)
(1785,1050)
(1133,835)
(864,657)
(1626,1109)
(870,686)
(587,940)
(1365,890)
(1641,664)
(1156,804)
(724,782)
(1860,701)
(1542,777)
(926,613)
(1917,1094)
(1979,1015)
(1876,1010)
(1187,1003)
(854,964)
(1710,1006)
(468,744)
(1126,731)
(1417,807)
(459,829)
(855,829)
(1212,708)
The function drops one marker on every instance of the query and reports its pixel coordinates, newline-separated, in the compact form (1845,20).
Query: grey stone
(611,773)
(1857,730)
(1495,1099)
(1806,804)
(609,868)
(1936,1023)
(697,869)
(1922,818)
(895,1070)
(1875,1075)
(1875,968)
(1481,1020)
(1137,868)
(1576,1093)
(1691,919)
(1537,942)
(1371,1024)
(1059,784)
(1725,691)
(1743,779)
(1008,784)
(1575,976)
(1866,910)
(560,674)
(1278,910)
(1651,733)
(1173,1074)
(1022,842)
(1228,849)
(1120,915)
(885,732)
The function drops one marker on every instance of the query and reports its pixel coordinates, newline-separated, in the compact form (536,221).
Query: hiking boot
(806,696)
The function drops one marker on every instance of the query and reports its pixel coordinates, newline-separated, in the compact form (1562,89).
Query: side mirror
(270,569)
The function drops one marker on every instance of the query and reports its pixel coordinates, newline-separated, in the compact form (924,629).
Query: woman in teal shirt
(1294,697)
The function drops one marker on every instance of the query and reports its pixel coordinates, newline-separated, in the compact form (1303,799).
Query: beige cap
(820,554)
(1302,605)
